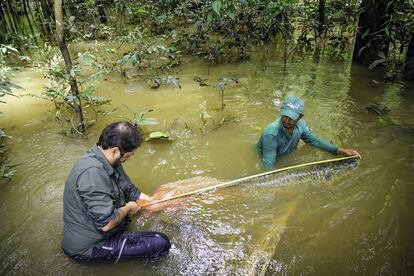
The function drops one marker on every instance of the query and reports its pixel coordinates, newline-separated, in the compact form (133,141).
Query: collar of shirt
(101,157)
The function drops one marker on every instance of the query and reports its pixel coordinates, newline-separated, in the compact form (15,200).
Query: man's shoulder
(301,124)
(88,162)
(272,128)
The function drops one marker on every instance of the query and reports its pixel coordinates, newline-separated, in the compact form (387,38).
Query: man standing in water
(99,197)
(283,135)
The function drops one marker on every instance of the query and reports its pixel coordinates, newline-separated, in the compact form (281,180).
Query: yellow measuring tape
(229,183)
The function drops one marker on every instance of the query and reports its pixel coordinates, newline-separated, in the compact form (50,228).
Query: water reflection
(235,230)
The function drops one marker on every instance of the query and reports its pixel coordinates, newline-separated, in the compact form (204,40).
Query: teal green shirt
(275,141)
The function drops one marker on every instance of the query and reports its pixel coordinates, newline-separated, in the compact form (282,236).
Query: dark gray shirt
(94,191)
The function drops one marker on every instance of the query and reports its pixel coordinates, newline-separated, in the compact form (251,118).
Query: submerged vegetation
(6,171)
(149,40)
(217,31)
(6,88)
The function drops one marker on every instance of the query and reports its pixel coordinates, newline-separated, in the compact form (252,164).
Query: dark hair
(123,135)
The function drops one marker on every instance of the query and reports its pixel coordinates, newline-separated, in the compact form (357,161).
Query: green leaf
(231,14)
(11,49)
(365,34)
(134,60)
(217,6)
(210,18)
(71,99)
(143,112)
(382,121)
(157,135)
(88,90)
(109,112)
(94,76)
(377,62)
(12,85)
(2,134)
(125,59)
(5,86)
(382,55)
(146,122)
(96,100)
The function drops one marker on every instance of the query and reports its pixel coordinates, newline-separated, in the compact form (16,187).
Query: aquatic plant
(58,92)
(213,120)
(156,82)
(138,120)
(158,135)
(151,60)
(138,117)
(6,171)
(6,87)
(220,85)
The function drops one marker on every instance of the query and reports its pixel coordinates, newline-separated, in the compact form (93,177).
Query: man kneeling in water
(99,197)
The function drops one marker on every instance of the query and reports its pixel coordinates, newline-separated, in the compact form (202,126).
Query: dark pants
(130,245)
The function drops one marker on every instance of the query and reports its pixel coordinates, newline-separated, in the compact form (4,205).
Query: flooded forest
(201,80)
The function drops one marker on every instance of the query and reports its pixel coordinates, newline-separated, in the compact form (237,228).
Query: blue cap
(292,107)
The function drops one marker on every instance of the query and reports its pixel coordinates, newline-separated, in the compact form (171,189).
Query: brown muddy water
(338,219)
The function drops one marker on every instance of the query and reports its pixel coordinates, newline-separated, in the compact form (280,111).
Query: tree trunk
(319,30)
(101,12)
(4,26)
(28,20)
(9,20)
(60,38)
(409,61)
(47,15)
(13,17)
(37,23)
(371,38)
(40,20)
(321,17)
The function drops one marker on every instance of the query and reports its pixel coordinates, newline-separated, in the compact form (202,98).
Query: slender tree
(28,20)
(9,22)
(60,38)
(13,16)
(372,38)
(48,17)
(319,29)
(101,11)
(321,18)
(409,61)
(38,15)
(4,27)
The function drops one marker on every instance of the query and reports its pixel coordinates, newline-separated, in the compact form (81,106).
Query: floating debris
(156,82)
(374,83)
(202,82)
(228,80)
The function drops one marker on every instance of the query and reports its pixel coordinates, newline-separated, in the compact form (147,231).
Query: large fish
(202,183)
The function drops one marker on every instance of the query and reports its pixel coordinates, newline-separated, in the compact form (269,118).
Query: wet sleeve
(269,151)
(309,138)
(95,189)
